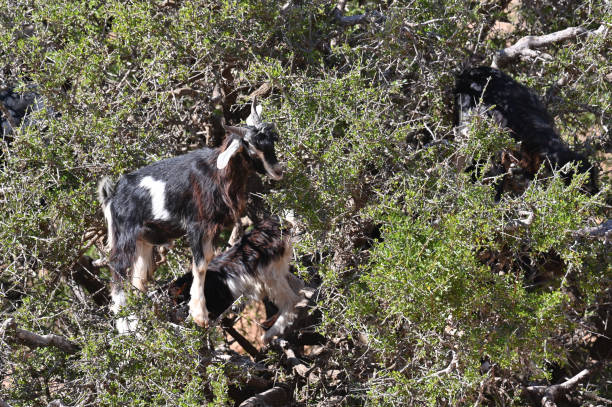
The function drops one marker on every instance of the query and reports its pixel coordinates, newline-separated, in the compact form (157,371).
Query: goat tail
(106,190)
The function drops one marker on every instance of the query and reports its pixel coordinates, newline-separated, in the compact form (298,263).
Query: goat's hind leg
(143,265)
(282,295)
(134,255)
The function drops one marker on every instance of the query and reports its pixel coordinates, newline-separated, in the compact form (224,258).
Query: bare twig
(525,220)
(595,397)
(228,327)
(8,116)
(296,364)
(10,329)
(525,47)
(551,394)
(451,366)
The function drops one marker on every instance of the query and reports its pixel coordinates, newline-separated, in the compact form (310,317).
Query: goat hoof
(200,318)
(203,323)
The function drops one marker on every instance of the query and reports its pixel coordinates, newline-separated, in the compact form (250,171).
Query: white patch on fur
(110,242)
(274,279)
(142,268)
(157,189)
(250,121)
(225,156)
(246,284)
(124,325)
(476,87)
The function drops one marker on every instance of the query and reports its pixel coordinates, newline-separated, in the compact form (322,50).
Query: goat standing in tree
(197,194)
(256,266)
(514,106)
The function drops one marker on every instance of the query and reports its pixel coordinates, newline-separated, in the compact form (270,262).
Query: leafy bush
(430,292)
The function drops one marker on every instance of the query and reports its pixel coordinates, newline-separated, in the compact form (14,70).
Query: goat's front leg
(201,247)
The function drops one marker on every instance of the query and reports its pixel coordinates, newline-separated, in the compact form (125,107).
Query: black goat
(257,266)
(517,108)
(197,194)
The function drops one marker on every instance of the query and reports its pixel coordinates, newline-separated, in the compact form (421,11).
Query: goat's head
(257,139)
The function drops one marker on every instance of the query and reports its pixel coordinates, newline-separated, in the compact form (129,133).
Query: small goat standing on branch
(197,194)
(257,266)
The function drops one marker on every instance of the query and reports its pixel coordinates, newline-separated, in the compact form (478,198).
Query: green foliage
(366,126)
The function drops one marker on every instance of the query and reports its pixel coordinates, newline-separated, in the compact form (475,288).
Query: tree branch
(525,220)
(602,231)
(346,21)
(10,328)
(551,394)
(227,325)
(525,47)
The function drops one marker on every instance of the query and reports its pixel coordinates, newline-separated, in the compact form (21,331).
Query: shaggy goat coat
(517,108)
(197,194)
(257,266)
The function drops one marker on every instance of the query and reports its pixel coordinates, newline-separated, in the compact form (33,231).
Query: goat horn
(254,115)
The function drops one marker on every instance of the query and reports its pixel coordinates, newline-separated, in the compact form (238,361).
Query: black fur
(517,108)
(257,266)
(250,255)
(202,195)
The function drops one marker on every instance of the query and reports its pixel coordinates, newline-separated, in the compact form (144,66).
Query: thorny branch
(525,219)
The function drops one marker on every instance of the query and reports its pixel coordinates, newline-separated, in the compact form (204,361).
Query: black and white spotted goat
(514,106)
(256,266)
(197,194)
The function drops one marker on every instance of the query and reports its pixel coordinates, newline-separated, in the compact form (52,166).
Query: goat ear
(225,156)
(238,131)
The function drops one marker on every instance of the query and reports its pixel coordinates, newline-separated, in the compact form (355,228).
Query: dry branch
(525,220)
(602,231)
(10,329)
(525,47)
(346,21)
(296,364)
(451,366)
(228,326)
(551,394)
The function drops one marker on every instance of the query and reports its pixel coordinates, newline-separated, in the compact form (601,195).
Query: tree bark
(525,47)
(10,329)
